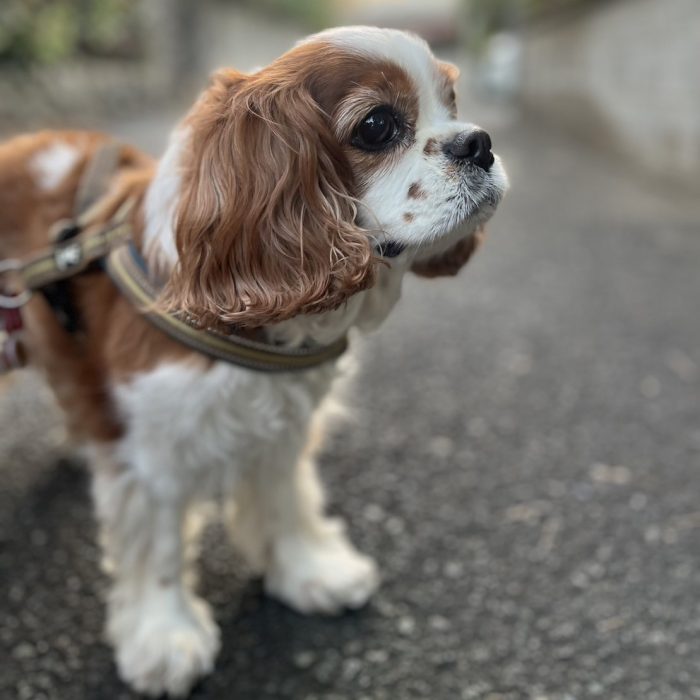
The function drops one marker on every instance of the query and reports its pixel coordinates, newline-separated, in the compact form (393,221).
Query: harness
(80,247)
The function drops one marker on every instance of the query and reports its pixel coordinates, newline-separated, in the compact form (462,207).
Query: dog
(290,204)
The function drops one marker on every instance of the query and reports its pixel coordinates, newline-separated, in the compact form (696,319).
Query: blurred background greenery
(49,31)
(585,65)
(46,31)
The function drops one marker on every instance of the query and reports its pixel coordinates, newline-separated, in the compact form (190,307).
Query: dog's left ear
(450,262)
(265,228)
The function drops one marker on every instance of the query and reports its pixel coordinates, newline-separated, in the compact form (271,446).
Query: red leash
(12,351)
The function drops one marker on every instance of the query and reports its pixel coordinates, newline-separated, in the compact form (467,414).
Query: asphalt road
(524,461)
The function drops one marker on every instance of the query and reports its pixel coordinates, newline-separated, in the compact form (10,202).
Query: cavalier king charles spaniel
(289,204)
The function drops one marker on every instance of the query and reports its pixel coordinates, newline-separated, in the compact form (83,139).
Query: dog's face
(302,177)
(421,173)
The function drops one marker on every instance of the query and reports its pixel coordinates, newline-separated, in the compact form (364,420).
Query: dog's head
(299,179)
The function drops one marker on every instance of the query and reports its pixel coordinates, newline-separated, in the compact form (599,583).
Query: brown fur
(416,192)
(451,261)
(431,147)
(265,251)
(369,86)
(116,340)
(261,245)
(450,74)
(265,226)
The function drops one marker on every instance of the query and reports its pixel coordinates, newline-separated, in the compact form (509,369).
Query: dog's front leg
(307,559)
(164,636)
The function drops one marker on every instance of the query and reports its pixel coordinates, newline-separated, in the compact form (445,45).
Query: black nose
(473,146)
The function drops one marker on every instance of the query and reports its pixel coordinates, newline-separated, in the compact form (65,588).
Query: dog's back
(40,177)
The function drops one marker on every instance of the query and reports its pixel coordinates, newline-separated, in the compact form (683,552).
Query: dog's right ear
(450,262)
(265,228)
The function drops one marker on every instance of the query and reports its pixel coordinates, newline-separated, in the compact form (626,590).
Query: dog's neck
(365,310)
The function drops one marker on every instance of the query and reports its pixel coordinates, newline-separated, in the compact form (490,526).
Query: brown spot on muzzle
(415,191)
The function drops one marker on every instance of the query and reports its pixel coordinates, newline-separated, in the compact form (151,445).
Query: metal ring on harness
(13,301)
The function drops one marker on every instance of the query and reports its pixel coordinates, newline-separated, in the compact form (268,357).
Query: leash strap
(127,270)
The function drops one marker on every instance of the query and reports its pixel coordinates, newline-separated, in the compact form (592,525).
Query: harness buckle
(68,256)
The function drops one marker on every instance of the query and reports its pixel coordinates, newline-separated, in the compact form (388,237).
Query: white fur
(52,165)
(231,436)
(161,200)
(199,432)
(407,50)
(237,438)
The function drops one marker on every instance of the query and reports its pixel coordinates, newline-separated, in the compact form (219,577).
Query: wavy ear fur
(452,260)
(265,225)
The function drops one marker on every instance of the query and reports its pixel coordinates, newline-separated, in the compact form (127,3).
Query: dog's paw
(324,575)
(165,651)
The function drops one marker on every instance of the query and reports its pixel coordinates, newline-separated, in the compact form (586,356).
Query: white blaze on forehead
(406,50)
(53,164)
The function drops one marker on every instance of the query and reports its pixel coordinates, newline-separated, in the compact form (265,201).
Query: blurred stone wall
(626,74)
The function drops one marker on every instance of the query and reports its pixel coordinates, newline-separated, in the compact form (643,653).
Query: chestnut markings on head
(265,227)
(372,84)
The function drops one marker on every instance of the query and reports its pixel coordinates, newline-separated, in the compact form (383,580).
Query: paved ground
(525,463)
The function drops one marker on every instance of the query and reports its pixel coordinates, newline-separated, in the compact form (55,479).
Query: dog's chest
(203,427)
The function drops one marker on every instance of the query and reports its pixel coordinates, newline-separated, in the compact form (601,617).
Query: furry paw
(320,575)
(164,648)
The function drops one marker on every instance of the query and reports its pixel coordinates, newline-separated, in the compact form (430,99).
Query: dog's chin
(442,243)
(392,248)
(472,207)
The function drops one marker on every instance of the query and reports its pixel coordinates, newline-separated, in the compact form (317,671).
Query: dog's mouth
(485,189)
(469,205)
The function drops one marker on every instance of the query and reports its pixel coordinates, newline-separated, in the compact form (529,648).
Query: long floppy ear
(265,225)
(452,260)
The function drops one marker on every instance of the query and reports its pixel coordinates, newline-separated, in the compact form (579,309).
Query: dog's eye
(376,130)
